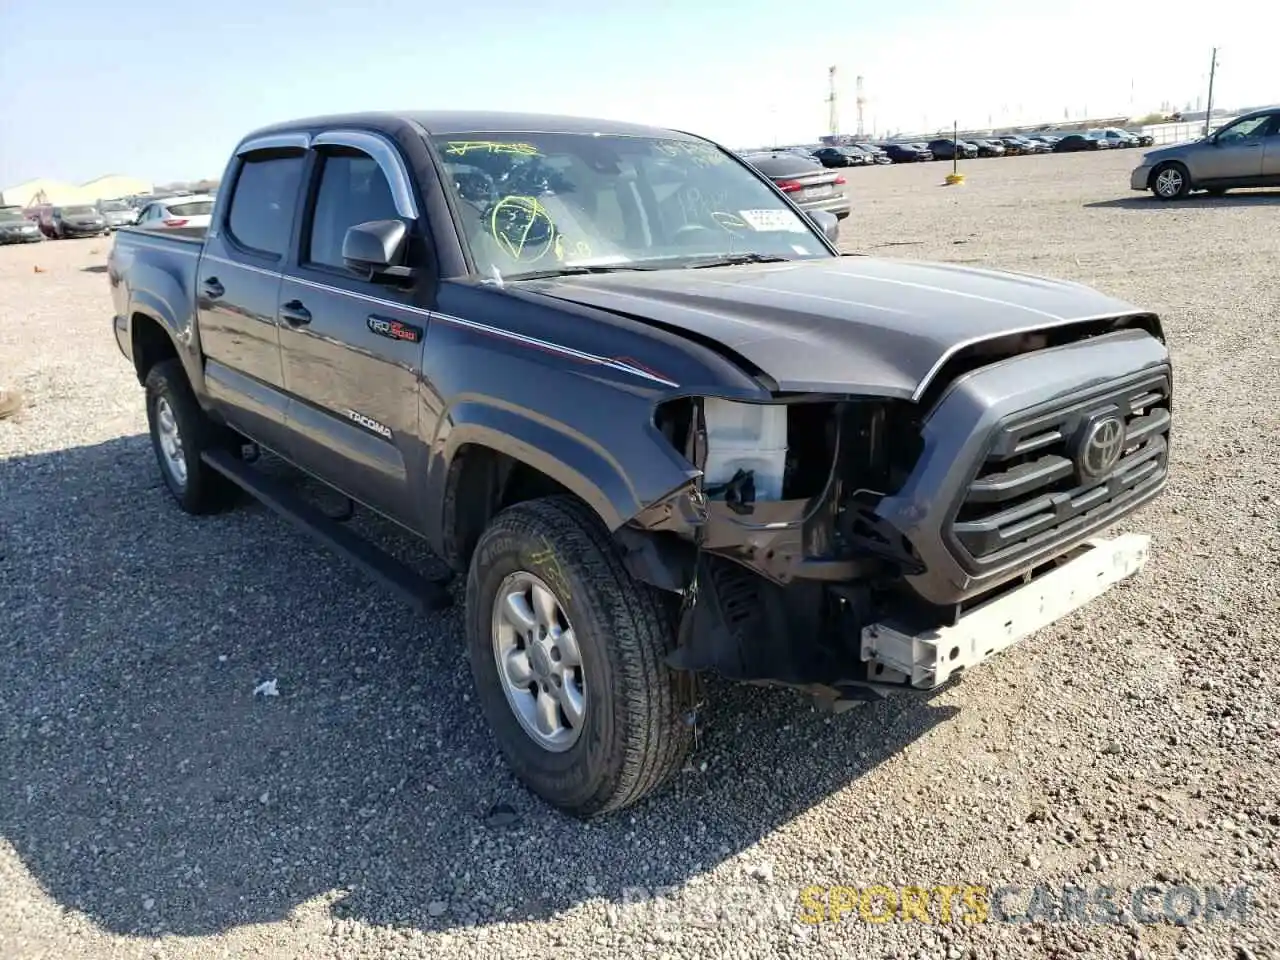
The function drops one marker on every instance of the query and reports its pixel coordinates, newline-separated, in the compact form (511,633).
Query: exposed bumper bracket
(929,658)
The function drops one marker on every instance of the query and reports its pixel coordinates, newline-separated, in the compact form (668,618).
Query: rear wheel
(180,433)
(1170,181)
(567,652)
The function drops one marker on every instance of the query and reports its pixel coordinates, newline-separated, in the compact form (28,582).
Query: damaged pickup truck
(618,381)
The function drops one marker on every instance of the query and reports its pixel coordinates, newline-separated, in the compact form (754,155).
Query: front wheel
(567,652)
(1170,181)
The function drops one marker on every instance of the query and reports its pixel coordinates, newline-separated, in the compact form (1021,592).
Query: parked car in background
(1244,153)
(1076,142)
(118,213)
(16,228)
(809,186)
(191,210)
(989,148)
(1033,146)
(840,157)
(876,153)
(1117,137)
(78,220)
(943,149)
(1048,139)
(1145,139)
(906,152)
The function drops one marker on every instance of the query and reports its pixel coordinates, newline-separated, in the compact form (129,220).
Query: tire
(632,736)
(1170,181)
(172,412)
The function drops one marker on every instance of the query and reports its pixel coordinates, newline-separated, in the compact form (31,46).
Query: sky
(163,90)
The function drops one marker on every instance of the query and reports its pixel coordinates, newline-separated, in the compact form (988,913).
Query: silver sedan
(1244,153)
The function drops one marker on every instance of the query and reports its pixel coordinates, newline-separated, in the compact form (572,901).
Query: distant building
(58,192)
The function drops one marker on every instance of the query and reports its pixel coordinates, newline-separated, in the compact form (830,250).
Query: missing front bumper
(927,659)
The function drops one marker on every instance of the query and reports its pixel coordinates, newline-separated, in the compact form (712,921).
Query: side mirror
(376,249)
(828,223)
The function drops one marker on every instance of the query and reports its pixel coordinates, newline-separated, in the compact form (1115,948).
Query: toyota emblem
(1100,447)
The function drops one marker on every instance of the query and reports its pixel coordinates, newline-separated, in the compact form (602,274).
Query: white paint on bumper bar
(931,657)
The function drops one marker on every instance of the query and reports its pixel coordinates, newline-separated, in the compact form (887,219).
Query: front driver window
(1247,129)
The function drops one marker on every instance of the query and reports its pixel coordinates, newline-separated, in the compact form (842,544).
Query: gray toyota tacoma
(642,404)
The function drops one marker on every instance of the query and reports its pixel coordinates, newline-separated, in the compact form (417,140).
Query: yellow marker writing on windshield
(523,227)
(460,148)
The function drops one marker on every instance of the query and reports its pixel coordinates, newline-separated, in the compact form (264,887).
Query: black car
(943,149)
(840,157)
(1076,142)
(906,153)
(16,228)
(808,185)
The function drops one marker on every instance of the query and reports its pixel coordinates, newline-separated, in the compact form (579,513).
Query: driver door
(1235,153)
(1271,152)
(351,349)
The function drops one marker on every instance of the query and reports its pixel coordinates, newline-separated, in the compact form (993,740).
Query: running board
(423,594)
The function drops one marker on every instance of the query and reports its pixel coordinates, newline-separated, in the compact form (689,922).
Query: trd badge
(394,329)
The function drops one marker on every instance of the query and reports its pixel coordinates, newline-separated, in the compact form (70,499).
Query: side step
(424,595)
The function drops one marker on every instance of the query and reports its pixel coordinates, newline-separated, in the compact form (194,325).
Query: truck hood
(849,325)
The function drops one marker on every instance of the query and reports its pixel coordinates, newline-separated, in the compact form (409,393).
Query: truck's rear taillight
(175,222)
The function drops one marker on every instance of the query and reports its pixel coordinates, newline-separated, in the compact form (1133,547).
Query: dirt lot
(152,806)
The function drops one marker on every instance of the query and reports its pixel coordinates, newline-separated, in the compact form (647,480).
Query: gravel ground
(152,806)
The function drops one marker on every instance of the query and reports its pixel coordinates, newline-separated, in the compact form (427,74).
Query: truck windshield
(540,202)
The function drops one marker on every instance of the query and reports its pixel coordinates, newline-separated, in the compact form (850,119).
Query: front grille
(1031,492)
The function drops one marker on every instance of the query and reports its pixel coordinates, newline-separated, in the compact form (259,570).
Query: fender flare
(579,464)
(147,302)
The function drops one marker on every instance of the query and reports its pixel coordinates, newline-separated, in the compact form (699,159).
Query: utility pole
(833,112)
(862,102)
(1208,111)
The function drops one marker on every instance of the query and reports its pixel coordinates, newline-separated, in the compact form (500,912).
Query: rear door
(238,287)
(352,349)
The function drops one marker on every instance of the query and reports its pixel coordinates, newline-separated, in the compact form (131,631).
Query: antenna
(862,102)
(833,113)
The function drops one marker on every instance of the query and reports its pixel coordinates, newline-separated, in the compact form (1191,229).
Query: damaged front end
(777,590)
(880,542)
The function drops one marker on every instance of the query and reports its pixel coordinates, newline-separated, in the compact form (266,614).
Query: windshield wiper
(731,259)
(575,271)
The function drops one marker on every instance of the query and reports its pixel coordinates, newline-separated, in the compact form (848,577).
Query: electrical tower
(862,102)
(833,112)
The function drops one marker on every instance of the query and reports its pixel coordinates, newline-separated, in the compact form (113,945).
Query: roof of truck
(477,121)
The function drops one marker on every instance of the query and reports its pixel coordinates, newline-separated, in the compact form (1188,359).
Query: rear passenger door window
(263,201)
(352,190)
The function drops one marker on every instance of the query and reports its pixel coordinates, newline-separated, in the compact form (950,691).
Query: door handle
(213,289)
(295,314)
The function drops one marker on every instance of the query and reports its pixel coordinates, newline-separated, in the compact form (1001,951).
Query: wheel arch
(497,457)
